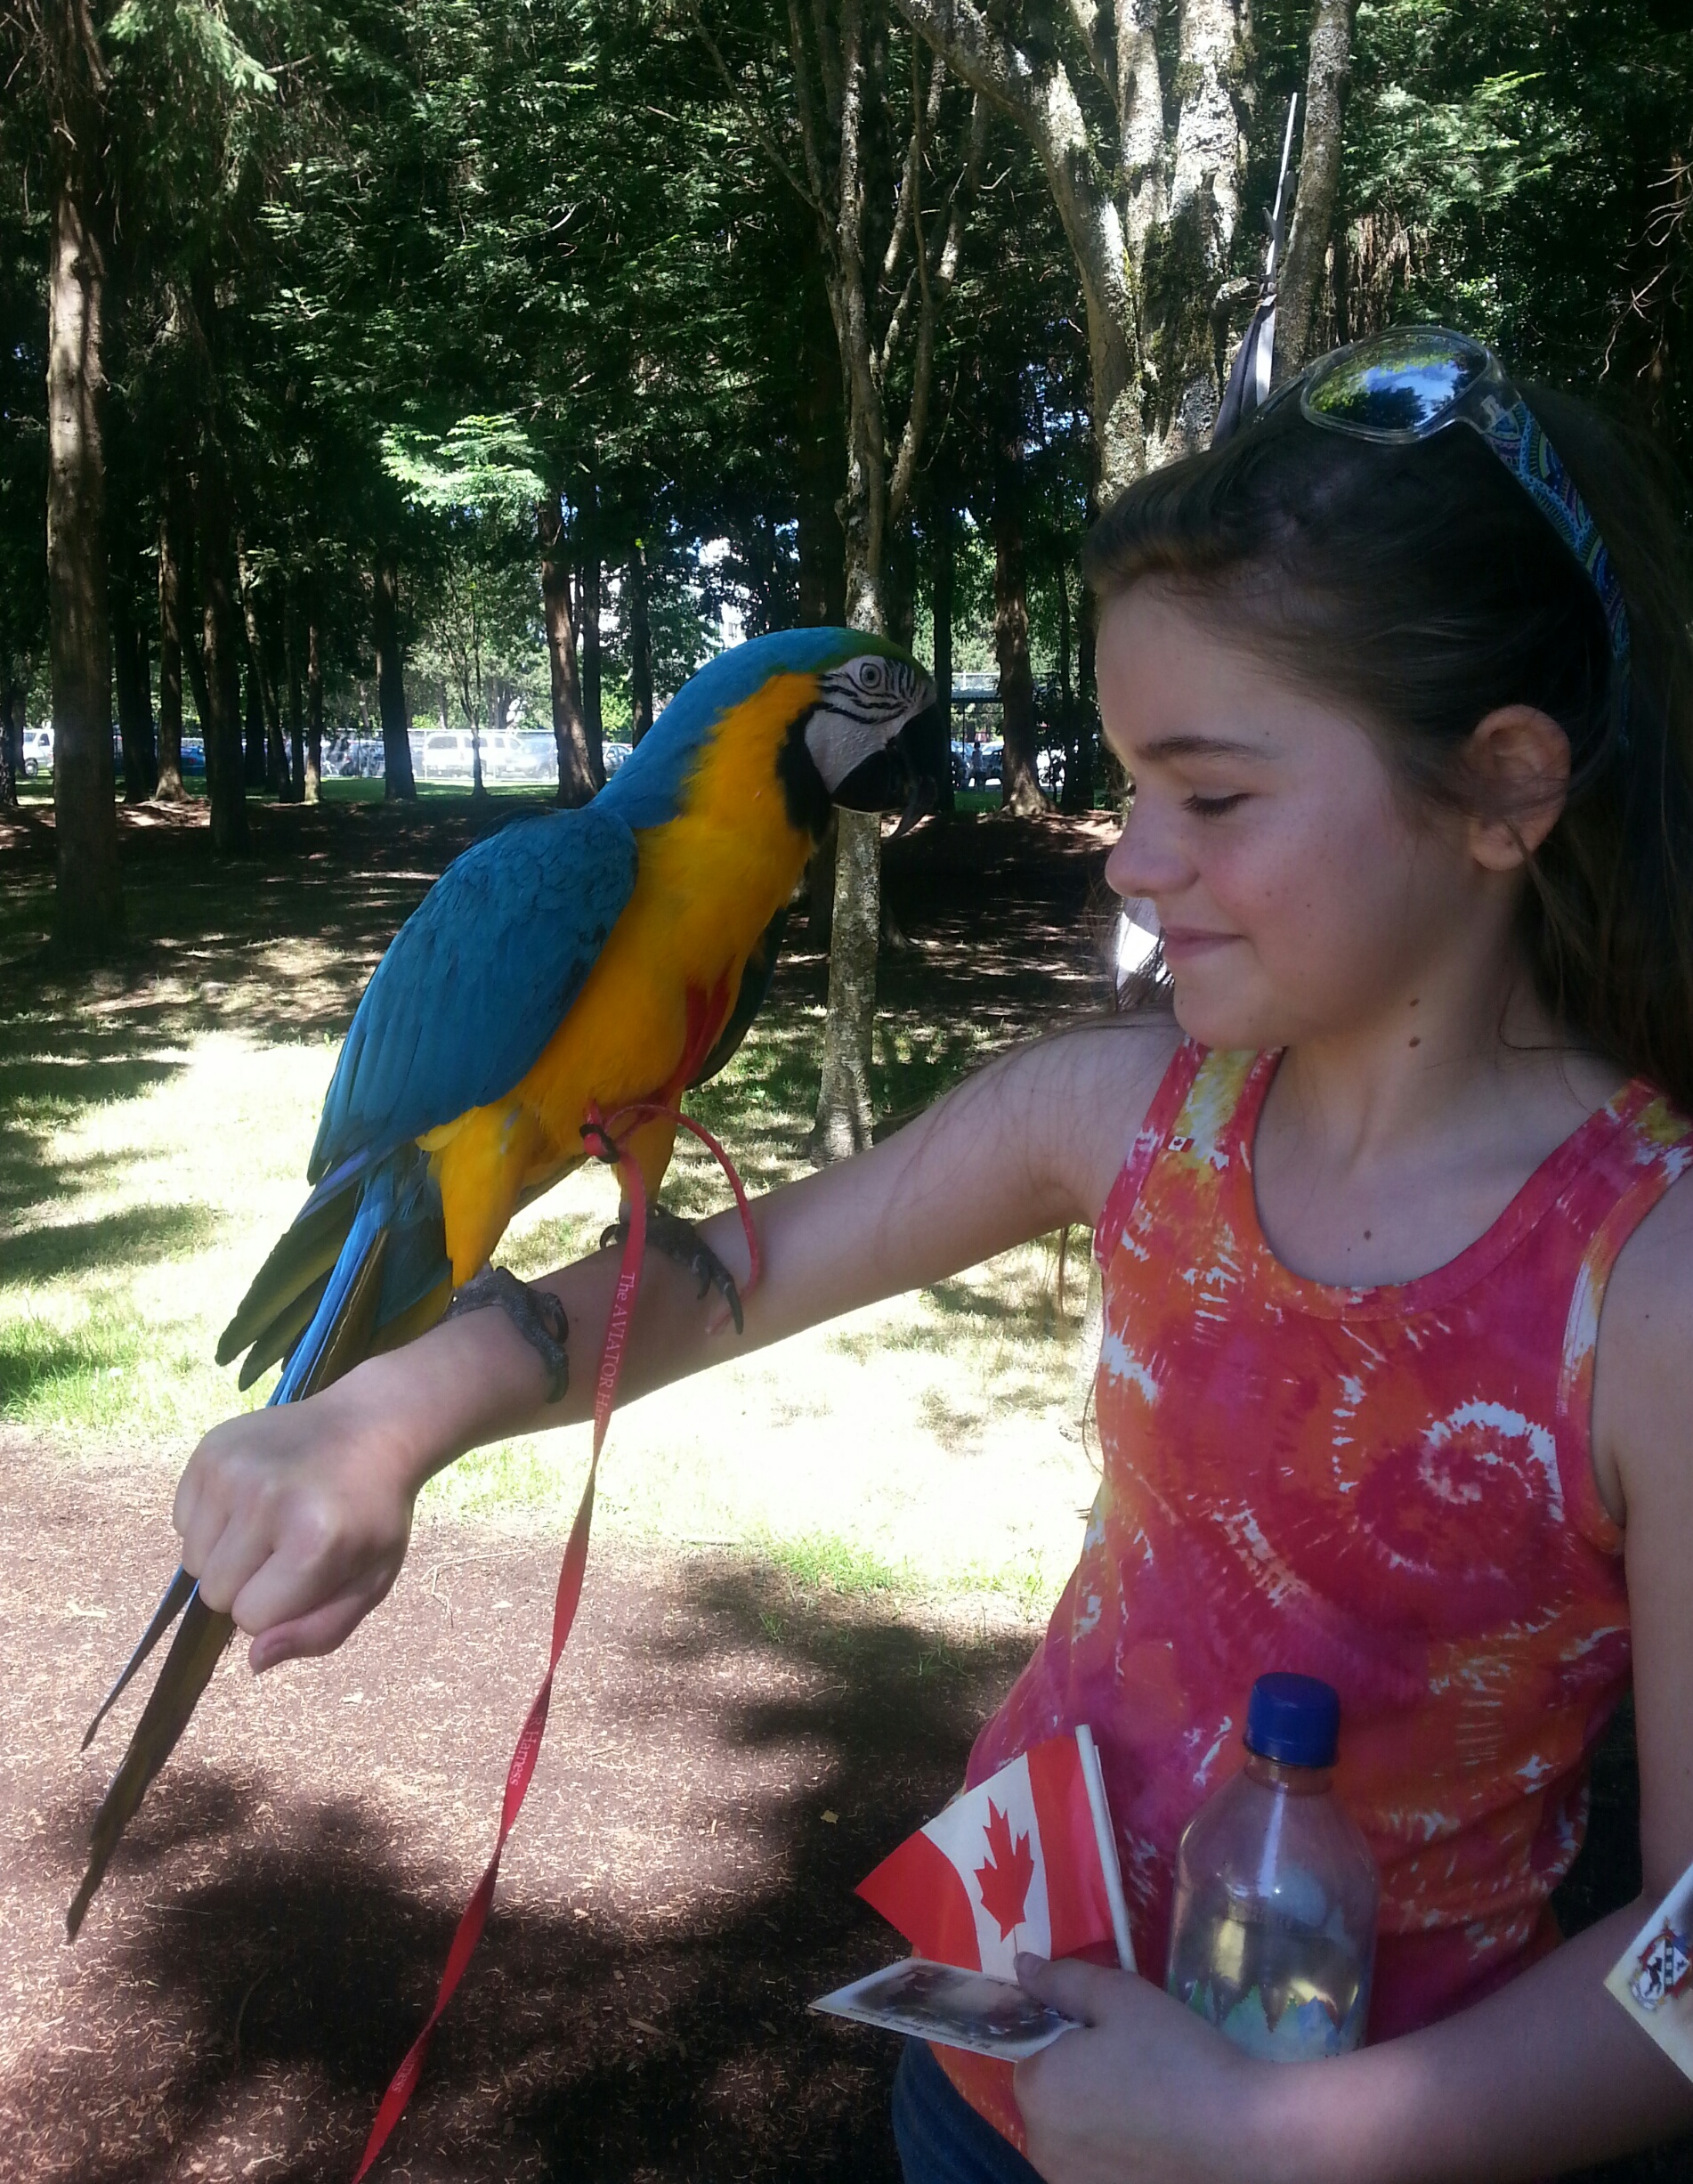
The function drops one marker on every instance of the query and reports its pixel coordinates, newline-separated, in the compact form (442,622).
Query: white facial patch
(864,704)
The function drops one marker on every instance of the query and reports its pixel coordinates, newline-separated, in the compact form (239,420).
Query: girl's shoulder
(1087,1091)
(1643,1383)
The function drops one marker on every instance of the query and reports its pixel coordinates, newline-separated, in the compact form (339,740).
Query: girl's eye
(1214,807)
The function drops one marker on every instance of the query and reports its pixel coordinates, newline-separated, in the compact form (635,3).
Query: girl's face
(1298,899)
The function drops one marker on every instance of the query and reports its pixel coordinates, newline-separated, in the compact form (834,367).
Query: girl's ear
(1516,763)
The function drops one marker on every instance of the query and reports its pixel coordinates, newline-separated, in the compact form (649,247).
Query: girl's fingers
(320,1632)
(242,1546)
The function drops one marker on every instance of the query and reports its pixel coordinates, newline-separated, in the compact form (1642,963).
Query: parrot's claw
(680,1240)
(536,1314)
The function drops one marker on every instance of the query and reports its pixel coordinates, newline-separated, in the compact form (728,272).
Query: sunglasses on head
(1413,382)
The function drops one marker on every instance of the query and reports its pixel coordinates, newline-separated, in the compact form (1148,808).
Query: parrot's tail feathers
(299,1306)
(176,1596)
(277,1337)
(339,1334)
(198,1647)
(300,1263)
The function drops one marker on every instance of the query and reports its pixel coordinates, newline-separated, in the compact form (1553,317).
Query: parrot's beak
(898,777)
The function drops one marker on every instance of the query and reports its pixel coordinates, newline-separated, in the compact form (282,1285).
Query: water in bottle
(1272,1938)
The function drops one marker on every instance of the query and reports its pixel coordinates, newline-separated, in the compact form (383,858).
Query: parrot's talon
(536,1314)
(680,1240)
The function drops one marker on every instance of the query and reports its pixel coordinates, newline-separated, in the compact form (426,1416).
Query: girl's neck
(1435,1061)
(1383,1154)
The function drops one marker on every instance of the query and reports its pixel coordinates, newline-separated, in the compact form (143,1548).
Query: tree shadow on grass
(133,1237)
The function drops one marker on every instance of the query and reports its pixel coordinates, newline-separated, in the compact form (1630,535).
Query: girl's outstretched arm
(296,1519)
(1547,2075)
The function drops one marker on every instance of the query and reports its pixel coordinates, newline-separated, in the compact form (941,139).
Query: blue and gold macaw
(574,964)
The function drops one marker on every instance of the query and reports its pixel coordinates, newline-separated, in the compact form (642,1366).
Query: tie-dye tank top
(1389,1488)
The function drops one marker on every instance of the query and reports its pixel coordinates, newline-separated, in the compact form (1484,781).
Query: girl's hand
(1145,2091)
(295,1521)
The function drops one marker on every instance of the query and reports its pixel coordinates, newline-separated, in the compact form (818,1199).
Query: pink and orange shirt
(1391,1489)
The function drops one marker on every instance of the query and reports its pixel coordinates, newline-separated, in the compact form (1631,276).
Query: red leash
(597,1135)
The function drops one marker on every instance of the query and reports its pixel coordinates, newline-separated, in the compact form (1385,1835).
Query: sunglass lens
(1405,382)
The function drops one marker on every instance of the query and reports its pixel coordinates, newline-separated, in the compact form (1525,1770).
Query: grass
(154,1124)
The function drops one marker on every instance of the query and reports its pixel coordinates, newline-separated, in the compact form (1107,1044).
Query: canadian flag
(1026,1860)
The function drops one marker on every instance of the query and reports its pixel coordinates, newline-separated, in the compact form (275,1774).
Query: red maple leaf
(1004,1880)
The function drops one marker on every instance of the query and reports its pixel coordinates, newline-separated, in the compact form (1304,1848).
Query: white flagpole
(1106,1843)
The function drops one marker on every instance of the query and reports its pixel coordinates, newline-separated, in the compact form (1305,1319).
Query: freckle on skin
(1416,1042)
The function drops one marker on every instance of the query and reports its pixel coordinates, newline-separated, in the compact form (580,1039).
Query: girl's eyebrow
(1202,747)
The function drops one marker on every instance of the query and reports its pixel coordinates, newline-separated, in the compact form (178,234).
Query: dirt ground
(724,1760)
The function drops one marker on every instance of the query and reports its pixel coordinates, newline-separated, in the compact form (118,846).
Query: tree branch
(936,286)
(1044,106)
(1084,17)
(810,135)
(757,127)
(1330,63)
(1139,96)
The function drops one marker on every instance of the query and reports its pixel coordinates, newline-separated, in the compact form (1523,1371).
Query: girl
(1399,1275)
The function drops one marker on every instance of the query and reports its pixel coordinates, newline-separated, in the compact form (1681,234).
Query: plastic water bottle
(1273,1939)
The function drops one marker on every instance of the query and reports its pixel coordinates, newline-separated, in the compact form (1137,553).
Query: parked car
(614,754)
(37,750)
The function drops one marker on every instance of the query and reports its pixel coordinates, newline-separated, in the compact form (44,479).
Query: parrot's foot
(680,1240)
(536,1314)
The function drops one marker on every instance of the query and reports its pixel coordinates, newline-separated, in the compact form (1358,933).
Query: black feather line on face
(803,789)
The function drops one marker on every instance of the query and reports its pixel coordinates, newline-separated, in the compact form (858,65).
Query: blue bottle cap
(1295,1719)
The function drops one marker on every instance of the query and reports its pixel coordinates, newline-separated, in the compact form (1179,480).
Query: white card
(1653,1979)
(957,2009)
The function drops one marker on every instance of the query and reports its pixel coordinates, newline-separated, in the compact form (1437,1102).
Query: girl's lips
(1187,941)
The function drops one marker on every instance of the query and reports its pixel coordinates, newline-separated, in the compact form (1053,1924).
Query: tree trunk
(589,576)
(1320,182)
(89,915)
(220,696)
(846,1118)
(253,719)
(1077,717)
(11,733)
(391,686)
(942,520)
(640,645)
(1149,216)
(1019,783)
(313,713)
(819,452)
(273,758)
(297,700)
(168,789)
(133,679)
(578,777)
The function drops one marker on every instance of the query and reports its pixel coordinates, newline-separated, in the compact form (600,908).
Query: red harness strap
(597,1135)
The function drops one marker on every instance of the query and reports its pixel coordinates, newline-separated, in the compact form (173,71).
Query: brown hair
(1421,583)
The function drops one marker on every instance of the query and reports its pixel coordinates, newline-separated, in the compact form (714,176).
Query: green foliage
(409,273)
(1507,167)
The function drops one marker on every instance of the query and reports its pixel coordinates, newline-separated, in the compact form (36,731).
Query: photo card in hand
(957,2009)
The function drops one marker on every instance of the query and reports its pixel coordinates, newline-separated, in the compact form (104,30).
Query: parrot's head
(858,745)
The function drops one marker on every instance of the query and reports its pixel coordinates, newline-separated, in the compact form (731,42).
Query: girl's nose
(1146,860)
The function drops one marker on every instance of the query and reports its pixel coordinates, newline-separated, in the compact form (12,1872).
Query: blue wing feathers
(482,973)
(477,980)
